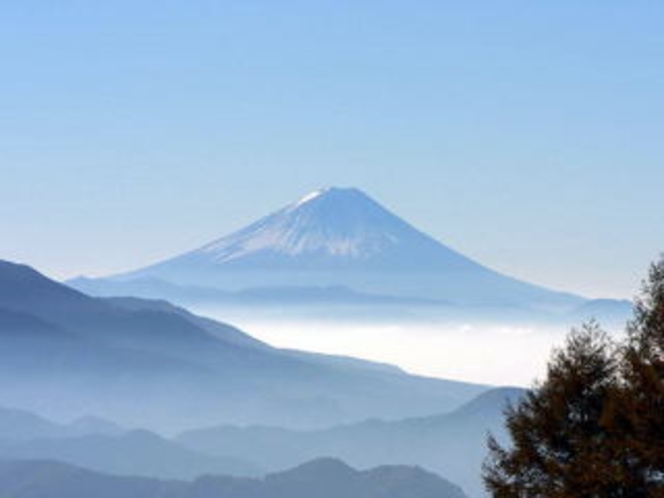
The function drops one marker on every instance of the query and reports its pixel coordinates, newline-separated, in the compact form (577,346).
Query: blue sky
(528,135)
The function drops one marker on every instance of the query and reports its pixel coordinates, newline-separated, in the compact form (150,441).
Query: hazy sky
(528,135)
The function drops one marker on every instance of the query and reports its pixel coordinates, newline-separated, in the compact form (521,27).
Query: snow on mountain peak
(334,195)
(311,196)
(341,236)
(333,228)
(332,221)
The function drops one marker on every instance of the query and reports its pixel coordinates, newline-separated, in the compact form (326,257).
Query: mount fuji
(335,242)
(338,229)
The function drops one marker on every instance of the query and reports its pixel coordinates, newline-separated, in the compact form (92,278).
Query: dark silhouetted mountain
(341,238)
(453,444)
(325,478)
(158,365)
(138,452)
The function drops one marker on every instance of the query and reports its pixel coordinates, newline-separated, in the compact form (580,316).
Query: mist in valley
(492,353)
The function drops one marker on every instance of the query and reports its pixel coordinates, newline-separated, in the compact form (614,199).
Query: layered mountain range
(150,363)
(451,444)
(322,478)
(241,407)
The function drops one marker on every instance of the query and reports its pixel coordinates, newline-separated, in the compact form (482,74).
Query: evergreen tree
(642,404)
(564,442)
(595,426)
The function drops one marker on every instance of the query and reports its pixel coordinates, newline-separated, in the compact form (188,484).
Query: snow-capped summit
(339,236)
(338,228)
(340,225)
(313,195)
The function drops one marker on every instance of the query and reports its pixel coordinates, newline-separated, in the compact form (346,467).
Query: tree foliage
(595,426)
(642,406)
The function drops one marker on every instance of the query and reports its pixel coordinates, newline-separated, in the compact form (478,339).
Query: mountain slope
(453,444)
(21,425)
(322,479)
(136,452)
(341,237)
(334,228)
(162,366)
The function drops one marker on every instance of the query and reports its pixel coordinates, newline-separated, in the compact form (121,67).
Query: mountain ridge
(323,478)
(335,227)
(435,442)
(138,350)
(343,237)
